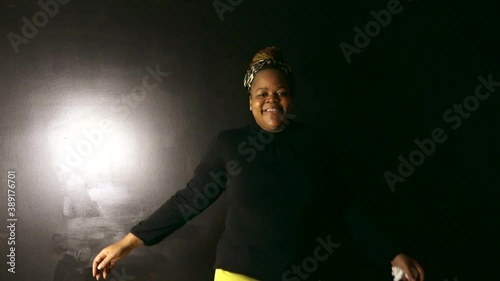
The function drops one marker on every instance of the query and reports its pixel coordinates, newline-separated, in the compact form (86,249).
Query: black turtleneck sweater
(276,184)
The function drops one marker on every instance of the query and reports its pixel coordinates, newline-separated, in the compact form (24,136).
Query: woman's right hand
(105,261)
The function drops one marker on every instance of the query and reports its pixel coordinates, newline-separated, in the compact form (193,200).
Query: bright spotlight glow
(83,145)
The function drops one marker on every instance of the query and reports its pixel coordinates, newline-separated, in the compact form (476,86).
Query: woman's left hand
(406,263)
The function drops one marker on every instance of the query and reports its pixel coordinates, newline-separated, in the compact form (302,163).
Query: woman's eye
(282,94)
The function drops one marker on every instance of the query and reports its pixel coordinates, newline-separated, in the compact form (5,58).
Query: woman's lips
(273,111)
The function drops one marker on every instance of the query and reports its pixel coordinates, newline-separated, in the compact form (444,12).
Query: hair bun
(267,53)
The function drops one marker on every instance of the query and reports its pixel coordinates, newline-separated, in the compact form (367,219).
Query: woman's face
(270,99)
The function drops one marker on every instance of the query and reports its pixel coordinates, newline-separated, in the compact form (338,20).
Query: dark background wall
(80,67)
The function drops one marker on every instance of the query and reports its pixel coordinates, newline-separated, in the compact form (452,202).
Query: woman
(272,174)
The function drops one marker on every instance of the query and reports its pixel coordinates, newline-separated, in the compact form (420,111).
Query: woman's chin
(273,118)
(275,126)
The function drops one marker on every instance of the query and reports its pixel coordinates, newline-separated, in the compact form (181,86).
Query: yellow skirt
(223,275)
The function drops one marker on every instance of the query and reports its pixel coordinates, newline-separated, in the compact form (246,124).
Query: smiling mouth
(273,110)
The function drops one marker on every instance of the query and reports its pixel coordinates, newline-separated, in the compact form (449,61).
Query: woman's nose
(273,98)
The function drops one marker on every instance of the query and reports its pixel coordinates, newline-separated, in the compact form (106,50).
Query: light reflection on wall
(92,146)
(89,150)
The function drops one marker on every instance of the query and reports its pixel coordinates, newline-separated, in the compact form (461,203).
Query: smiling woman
(270,85)
(270,99)
(274,197)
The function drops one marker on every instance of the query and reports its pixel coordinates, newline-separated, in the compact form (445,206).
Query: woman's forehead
(272,77)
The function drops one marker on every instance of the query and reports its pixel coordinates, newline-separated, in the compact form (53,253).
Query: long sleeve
(207,183)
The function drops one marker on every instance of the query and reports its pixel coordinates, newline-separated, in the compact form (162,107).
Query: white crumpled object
(398,273)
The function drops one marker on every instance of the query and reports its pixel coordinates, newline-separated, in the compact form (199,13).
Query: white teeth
(271,109)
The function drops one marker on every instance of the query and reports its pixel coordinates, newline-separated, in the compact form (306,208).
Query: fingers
(416,273)
(412,269)
(409,272)
(97,260)
(104,272)
(407,265)
(102,265)
(105,266)
(420,270)
(107,271)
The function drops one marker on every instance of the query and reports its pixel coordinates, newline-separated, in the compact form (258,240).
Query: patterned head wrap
(270,57)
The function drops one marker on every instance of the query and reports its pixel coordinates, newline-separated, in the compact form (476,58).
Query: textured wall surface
(106,108)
